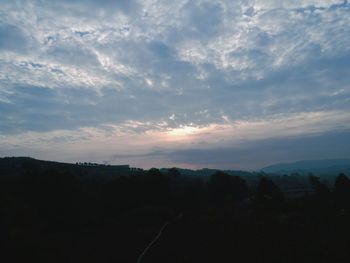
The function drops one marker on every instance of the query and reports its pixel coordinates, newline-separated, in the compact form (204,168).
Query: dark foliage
(61,213)
(224,188)
(342,191)
(268,195)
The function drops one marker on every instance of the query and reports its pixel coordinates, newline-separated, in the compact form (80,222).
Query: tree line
(54,214)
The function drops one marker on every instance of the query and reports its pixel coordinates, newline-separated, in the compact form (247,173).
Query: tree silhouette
(342,190)
(173,172)
(321,189)
(157,186)
(225,188)
(268,195)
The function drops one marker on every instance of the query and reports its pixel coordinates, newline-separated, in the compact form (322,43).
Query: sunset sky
(188,83)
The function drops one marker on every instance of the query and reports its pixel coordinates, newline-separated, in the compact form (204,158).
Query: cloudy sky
(190,83)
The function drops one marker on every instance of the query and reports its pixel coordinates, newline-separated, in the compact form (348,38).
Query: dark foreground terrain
(51,212)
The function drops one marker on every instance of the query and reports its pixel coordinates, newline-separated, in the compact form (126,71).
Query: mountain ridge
(321,166)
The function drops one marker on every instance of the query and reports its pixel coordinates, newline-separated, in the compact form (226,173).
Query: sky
(188,83)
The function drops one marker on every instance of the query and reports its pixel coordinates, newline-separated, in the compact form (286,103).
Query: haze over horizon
(217,84)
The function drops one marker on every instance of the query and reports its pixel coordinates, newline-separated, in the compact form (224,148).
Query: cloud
(256,155)
(150,144)
(66,66)
(12,38)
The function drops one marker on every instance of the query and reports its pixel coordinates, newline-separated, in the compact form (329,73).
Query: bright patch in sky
(183,131)
(227,84)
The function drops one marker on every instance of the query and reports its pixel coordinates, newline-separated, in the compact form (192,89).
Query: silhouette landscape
(85,212)
(174,131)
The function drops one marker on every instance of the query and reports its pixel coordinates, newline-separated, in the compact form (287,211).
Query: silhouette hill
(56,212)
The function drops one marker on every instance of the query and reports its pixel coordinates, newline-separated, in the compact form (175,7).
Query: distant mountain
(205,172)
(318,167)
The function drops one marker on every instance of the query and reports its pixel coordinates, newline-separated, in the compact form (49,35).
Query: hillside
(319,167)
(15,166)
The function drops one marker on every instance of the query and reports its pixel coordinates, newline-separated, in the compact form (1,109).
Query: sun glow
(184,131)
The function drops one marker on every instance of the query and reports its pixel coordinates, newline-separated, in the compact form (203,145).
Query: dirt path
(144,252)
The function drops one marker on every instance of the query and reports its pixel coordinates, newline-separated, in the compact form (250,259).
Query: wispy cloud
(166,74)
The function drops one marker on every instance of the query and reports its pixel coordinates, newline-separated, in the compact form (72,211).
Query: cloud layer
(160,70)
